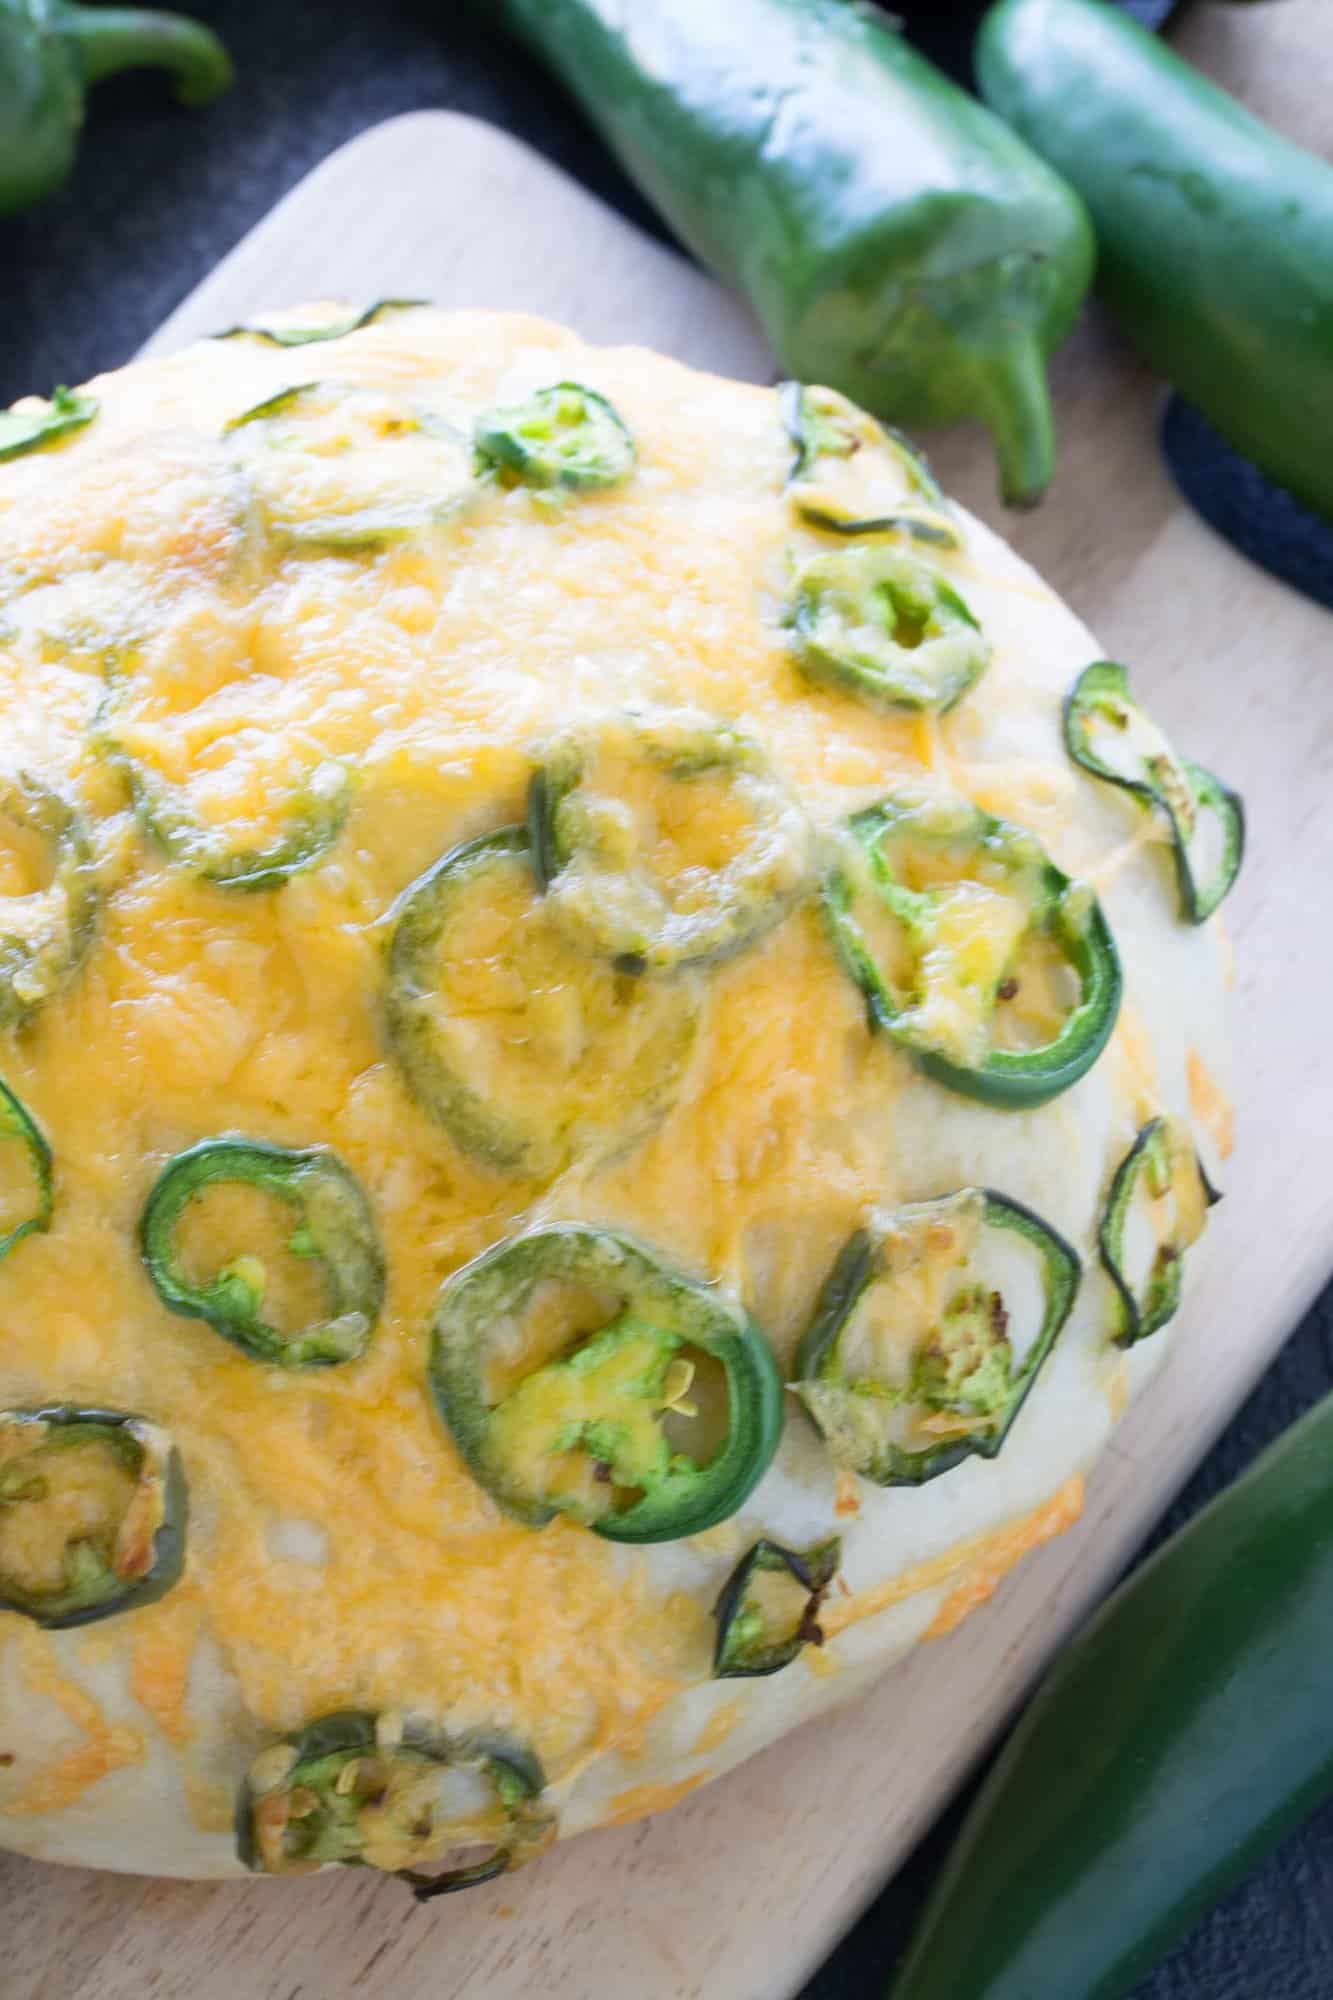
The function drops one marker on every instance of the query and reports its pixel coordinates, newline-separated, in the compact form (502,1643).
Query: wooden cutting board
(740,1892)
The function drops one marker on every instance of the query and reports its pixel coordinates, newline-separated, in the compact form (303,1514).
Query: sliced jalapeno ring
(976,955)
(92,1513)
(526,1050)
(1157,1207)
(280,335)
(769,1607)
(289,841)
(31,424)
(26,1177)
(1109,734)
(665,840)
(856,476)
(563,1360)
(564,435)
(323,1221)
(357,1790)
(48,895)
(295,833)
(885,627)
(345,467)
(915,1358)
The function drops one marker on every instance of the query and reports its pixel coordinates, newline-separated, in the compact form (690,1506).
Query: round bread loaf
(611,1056)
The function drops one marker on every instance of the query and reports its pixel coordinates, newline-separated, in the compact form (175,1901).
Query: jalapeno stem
(111,39)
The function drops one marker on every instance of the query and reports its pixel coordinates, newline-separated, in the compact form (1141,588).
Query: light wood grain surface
(737,1894)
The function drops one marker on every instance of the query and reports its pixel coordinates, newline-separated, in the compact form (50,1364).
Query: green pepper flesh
(356,1790)
(19,1129)
(51,52)
(582,1432)
(331,1225)
(906,1415)
(936,958)
(887,628)
(46,930)
(592,853)
(120,1563)
(1163,1166)
(895,240)
(855,476)
(1214,233)
(1109,734)
(562,436)
(755,1637)
(1172,1744)
(528,1057)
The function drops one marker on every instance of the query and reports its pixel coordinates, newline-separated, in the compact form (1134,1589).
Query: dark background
(157,198)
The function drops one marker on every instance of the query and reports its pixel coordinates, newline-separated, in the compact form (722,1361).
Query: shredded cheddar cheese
(185,666)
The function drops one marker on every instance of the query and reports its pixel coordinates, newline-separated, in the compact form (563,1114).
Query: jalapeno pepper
(312,818)
(20,1133)
(92,1513)
(606,803)
(31,423)
(1110,735)
(1157,1207)
(894,240)
(331,1227)
(52,51)
(1174,1742)
(973,951)
(359,1790)
(525,1049)
(885,627)
(344,467)
(47,918)
(769,1607)
(1214,233)
(560,1366)
(911,1363)
(280,335)
(856,476)
(314,815)
(564,435)
(994,971)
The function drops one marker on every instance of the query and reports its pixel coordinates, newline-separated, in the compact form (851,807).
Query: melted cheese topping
(340,1554)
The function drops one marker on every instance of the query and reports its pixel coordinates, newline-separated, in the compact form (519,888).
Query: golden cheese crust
(165,632)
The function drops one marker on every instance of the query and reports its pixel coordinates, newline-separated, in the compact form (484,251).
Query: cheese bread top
(610,1055)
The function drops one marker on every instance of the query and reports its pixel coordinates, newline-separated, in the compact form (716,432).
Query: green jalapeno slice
(287,842)
(526,1050)
(345,467)
(26,1190)
(885,627)
(665,840)
(769,1607)
(364,1791)
(48,895)
(92,1513)
(1109,734)
(304,1203)
(564,1363)
(30,424)
(856,476)
(278,335)
(562,436)
(929,1333)
(976,955)
(1157,1207)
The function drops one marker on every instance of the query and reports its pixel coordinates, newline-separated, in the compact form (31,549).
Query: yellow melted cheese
(340,1554)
